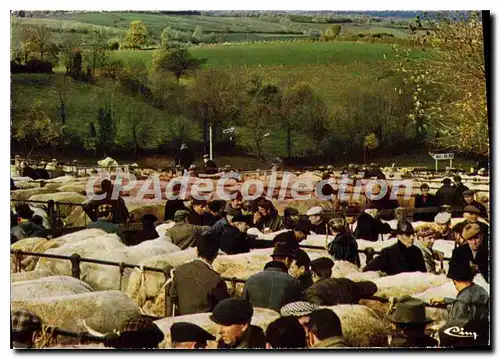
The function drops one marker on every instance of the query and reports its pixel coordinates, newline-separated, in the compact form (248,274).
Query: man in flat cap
(285,333)
(425,202)
(300,310)
(25,225)
(369,226)
(318,224)
(445,193)
(402,256)
(273,287)
(183,234)
(138,333)
(471,215)
(426,236)
(120,213)
(184,335)
(333,291)
(458,198)
(470,201)
(409,320)
(443,225)
(475,251)
(24,326)
(104,219)
(233,317)
(472,304)
(343,247)
(174,205)
(196,287)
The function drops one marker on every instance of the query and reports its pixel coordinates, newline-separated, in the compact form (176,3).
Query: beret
(314,211)
(404,228)
(188,332)
(442,218)
(232,311)
(472,209)
(322,263)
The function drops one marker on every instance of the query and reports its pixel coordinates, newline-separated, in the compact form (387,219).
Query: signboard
(228,130)
(443,156)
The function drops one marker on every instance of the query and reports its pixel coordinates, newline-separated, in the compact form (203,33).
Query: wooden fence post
(75,266)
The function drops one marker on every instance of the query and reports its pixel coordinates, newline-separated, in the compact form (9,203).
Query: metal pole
(436,165)
(211,148)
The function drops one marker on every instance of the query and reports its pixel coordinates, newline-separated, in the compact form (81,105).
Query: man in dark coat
(470,201)
(410,322)
(214,212)
(234,239)
(184,335)
(458,198)
(25,227)
(209,166)
(332,291)
(386,204)
(174,205)
(120,211)
(299,233)
(400,257)
(475,251)
(197,213)
(425,201)
(344,246)
(325,330)
(318,224)
(445,193)
(369,226)
(196,287)
(236,203)
(183,234)
(233,317)
(184,157)
(148,230)
(285,333)
(267,217)
(471,215)
(300,270)
(273,287)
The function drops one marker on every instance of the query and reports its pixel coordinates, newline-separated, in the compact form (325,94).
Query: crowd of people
(290,283)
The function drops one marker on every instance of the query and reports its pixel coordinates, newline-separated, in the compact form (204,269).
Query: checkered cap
(24,322)
(298,309)
(138,324)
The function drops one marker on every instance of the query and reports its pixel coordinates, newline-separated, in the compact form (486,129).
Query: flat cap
(442,218)
(25,322)
(469,192)
(446,181)
(404,228)
(314,211)
(304,226)
(188,332)
(471,230)
(181,213)
(298,309)
(322,263)
(472,209)
(232,311)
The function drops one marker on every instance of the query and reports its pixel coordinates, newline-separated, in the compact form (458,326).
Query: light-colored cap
(442,218)
(314,211)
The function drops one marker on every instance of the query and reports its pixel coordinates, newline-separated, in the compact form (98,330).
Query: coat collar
(203,261)
(330,342)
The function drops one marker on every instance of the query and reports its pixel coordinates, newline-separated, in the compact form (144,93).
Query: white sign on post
(443,156)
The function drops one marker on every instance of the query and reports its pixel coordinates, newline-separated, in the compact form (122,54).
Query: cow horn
(95,333)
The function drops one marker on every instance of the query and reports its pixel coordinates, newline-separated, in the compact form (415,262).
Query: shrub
(113,45)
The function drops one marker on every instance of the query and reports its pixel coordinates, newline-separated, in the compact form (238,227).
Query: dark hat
(304,226)
(290,211)
(460,270)
(446,181)
(457,178)
(471,230)
(24,322)
(181,214)
(283,250)
(24,210)
(240,218)
(188,332)
(139,333)
(472,209)
(469,192)
(409,310)
(232,311)
(104,209)
(149,218)
(352,211)
(371,205)
(322,264)
(404,228)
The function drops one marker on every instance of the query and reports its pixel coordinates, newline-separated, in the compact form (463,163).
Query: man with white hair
(370,227)
(318,225)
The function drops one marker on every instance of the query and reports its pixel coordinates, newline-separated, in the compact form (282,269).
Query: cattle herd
(105,297)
